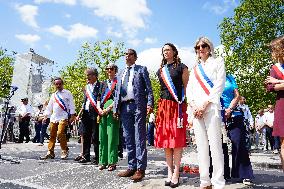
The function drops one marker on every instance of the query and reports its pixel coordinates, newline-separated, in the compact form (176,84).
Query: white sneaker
(275,151)
(247,182)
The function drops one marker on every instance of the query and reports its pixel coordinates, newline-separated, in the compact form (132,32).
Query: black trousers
(90,134)
(269,138)
(227,174)
(24,130)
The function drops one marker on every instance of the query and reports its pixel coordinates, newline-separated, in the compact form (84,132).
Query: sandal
(111,167)
(102,167)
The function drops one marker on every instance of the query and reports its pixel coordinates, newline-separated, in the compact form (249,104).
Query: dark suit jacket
(92,112)
(142,88)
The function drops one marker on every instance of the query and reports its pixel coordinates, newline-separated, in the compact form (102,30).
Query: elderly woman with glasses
(109,127)
(205,86)
(275,83)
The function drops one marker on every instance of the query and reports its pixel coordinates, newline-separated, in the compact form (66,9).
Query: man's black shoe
(83,160)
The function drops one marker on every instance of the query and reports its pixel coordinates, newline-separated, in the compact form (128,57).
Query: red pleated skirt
(167,133)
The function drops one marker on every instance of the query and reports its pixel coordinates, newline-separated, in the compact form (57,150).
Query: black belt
(129,101)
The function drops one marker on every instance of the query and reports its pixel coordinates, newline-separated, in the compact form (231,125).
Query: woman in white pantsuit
(205,86)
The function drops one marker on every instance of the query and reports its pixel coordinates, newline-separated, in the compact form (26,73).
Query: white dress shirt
(92,86)
(56,112)
(268,118)
(25,109)
(259,121)
(130,93)
(215,71)
(151,118)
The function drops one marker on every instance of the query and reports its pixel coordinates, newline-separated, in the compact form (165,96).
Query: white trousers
(208,132)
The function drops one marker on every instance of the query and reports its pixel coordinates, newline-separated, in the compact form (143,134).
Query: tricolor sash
(279,69)
(204,81)
(60,102)
(108,92)
(165,74)
(91,98)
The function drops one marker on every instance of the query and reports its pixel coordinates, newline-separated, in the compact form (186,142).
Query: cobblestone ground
(66,174)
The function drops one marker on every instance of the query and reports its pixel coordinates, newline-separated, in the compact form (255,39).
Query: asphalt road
(33,173)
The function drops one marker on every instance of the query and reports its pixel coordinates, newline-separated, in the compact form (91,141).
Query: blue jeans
(134,131)
(43,131)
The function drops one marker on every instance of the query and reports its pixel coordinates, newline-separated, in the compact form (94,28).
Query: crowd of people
(205,99)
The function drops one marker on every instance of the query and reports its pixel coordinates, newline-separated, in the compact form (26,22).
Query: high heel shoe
(168,183)
(174,185)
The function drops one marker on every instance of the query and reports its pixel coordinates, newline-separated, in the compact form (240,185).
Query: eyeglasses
(131,53)
(111,69)
(203,46)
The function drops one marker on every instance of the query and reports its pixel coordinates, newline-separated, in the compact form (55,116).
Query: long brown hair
(176,57)
(277,47)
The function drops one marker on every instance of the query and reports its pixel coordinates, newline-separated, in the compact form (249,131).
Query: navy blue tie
(125,83)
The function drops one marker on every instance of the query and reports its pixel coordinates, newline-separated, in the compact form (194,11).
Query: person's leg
(103,141)
(27,130)
(43,132)
(140,138)
(282,152)
(202,144)
(113,139)
(86,137)
(121,144)
(241,165)
(214,133)
(38,130)
(95,140)
(61,134)
(128,120)
(151,133)
(21,134)
(177,154)
(52,139)
(270,137)
(169,161)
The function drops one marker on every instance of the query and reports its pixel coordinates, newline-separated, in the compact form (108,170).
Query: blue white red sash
(91,98)
(60,102)
(108,92)
(279,70)
(165,74)
(204,81)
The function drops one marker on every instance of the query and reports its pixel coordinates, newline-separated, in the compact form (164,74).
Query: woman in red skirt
(171,119)
(275,83)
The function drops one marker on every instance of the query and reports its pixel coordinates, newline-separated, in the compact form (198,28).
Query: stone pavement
(66,174)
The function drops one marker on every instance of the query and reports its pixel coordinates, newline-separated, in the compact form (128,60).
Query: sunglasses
(111,69)
(128,53)
(203,46)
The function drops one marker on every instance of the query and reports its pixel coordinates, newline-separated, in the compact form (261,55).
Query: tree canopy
(245,37)
(6,71)
(97,55)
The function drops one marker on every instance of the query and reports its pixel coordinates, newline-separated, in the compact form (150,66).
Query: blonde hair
(208,42)
(277,47)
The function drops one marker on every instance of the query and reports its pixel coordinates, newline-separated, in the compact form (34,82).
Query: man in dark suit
(133,101)
(90,127)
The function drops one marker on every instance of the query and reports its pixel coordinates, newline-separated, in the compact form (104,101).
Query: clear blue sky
(57,28)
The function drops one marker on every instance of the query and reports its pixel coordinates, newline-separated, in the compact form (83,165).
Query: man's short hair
(24,99)
(134,52)
(112,65)
(93,71)
(58,78)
